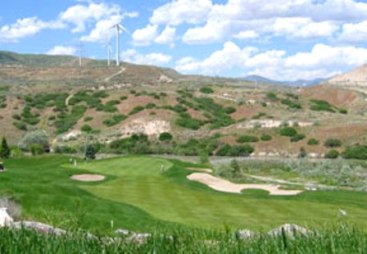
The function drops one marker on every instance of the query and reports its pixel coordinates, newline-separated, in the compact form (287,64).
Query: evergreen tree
(4,149)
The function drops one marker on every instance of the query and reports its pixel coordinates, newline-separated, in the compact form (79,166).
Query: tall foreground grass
(342,239)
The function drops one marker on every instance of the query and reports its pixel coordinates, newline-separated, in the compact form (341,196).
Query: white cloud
(101,16)
(322,61)
(133,56)
(249,34)
(62,50)
(167,36)
(26,27)
(354,32)
(218,62)
(212,31)
(233,18)
(303,28)
(144,36)
(182,11)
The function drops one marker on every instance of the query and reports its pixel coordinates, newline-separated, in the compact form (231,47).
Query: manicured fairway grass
(137,195)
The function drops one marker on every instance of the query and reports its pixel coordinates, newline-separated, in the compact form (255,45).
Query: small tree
(4,149)
(36,137)
(90,152)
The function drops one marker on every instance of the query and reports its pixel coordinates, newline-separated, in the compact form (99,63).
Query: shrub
(271,96)
(150,106)
(247,139)
(65,150)
(86,128)
(136,110)
(88,119)
(229,110)
(228,150)
(320,105)
(34,138)
(343,111)
(36,149)
(332,154)
(116,119)
(302,153)
(206,90)
(17,117)
(297,137)
(20,125)
(355,152)
(165,136)
(291,104)
(313,142)
(288,131)
(266,137)
(187,121)
(332,142)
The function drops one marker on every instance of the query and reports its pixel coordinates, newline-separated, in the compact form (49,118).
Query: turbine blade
(124,29)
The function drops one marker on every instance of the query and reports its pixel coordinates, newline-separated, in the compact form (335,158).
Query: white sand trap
(88,178)
(223,185)
(207,170)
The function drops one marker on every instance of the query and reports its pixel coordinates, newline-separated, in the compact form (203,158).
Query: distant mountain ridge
(301,82)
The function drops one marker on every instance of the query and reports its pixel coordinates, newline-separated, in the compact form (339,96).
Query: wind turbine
(119,28)
(108,47)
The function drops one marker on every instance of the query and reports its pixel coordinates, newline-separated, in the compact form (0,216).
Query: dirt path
(68,98)
(116,74)
(223,185)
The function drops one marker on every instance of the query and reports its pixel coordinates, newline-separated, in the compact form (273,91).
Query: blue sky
(280,39)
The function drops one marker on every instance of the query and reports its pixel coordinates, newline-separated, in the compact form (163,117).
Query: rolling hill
(54,94)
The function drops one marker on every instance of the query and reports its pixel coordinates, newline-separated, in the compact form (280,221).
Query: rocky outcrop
(291,230)
(38,227)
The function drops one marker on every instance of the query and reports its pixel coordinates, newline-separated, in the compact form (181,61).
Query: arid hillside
(109,104)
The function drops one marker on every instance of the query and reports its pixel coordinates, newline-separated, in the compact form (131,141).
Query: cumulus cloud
(303,28)
(354,32)
(322,61)
(26,27)
(307,19)
(62,50)
(133,56)
(101,16)
(144,36)
(167,36)
(182,11)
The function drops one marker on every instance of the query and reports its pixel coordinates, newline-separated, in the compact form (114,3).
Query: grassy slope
(43,188)
(137,196)
(171,197)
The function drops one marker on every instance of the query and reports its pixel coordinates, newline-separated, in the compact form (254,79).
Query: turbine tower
(108,47)
(119,28)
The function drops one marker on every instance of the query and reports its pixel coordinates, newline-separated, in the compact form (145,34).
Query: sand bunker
(207,170)
(223,185)
(88,178)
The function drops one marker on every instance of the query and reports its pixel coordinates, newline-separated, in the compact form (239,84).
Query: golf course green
(138,195)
